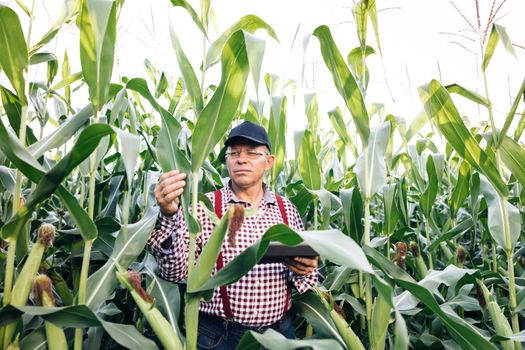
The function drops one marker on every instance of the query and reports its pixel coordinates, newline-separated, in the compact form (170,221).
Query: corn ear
(351,339)
(43,295)
(59,283)
(421,267)
(162,328)
(499,321)
(380,321)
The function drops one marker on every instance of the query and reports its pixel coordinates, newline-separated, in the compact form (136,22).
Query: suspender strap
(220,261)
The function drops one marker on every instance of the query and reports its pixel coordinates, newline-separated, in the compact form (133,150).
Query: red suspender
(220,261)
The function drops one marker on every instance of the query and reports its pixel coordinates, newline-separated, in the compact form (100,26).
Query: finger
(309,262)
(171,176)
(173,195)
(166,190)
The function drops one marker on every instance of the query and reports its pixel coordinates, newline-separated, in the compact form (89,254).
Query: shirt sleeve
(169,241)
(301,283)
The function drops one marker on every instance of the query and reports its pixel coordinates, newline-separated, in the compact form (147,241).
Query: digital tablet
(277,252)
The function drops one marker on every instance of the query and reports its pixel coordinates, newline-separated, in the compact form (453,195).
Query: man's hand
(301,265)
(168,190)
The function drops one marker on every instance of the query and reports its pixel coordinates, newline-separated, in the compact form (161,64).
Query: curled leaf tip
(42,284)
(235,220)
(46,234)
(134,280)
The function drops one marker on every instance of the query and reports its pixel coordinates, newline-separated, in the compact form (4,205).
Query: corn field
(418,219)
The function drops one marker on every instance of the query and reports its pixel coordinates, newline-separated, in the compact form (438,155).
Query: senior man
(260,299)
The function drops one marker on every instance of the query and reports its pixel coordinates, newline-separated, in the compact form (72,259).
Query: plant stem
(429,253)
(316,223)
(368,281)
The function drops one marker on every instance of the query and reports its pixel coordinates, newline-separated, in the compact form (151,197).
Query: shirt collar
(268,196)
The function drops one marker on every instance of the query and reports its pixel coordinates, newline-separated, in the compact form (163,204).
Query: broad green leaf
(357,62)
(513,155)
(344,81)
(255,48)
(7,178)
(80,316)
(372,14)
(184,4)
(360,13)
(379,324)
(497,32)
(271,339)
(277,133)
(496,217)
(338,123)
(390,208)
(208,257)
(319,317)
(332,244)
(463,333)
(97,47)
(248,23)
(166,294)
(429,195)
(417,124)
(469,94)
(352,212)
(459,229)
(188,74)
(84,146)
(14,59)
(103,282)
(70,10)
(13,109)
(130,147)
(511,114)
(312,112)
(308,163)
(439,105)
(218,114)
(461,190)
(370,166)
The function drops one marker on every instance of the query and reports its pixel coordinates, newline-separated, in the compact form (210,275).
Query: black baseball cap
(249,131)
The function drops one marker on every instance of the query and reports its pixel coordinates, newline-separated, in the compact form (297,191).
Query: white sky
(412,45)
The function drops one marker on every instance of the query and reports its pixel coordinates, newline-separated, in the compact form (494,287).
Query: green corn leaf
(80,316)
(277,134)
(429,195)
(184,4)
(13,109)
(370,166)
(417,124)
(360,13)
(357,62)
(344,81)
(130,147)
(248,23)
(498,32)
(463,333)
(471,95)
(312,112)
(331,244)
(439,105)
(391,211)
(14,59)
(496,219)
(380,321)
(218,114)
(338,123)
(460,229)
(308,163)
(352,212)
(513,155)
(97,47)
(103,282)
(511,114)
(271,339)
(372,14)
(84,146)
(461,190)
(188,74)
(255,48)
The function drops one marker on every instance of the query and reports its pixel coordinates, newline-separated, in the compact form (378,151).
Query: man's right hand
(168,190)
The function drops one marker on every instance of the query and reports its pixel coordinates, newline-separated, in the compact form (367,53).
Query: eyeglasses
(250,154)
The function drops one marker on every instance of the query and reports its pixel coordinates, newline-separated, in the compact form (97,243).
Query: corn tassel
(56,338)
(162,328)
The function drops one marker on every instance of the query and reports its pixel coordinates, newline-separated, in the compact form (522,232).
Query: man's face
(247,162)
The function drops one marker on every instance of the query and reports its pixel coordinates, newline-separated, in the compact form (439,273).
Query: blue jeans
(220,334)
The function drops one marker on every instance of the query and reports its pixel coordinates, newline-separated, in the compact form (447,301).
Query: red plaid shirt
(258,298)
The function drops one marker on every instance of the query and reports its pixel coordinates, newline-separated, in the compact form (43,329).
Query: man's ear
(270,159)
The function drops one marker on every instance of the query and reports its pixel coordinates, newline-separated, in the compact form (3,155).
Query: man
(260,299)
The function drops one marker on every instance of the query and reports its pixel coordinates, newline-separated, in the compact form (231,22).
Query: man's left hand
(301,265)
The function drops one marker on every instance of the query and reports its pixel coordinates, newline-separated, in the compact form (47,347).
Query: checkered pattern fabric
(258,298)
